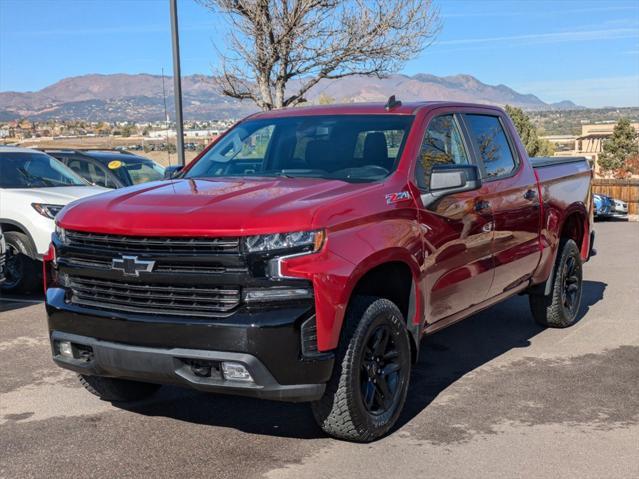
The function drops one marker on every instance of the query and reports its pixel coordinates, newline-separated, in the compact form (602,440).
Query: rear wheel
(22,271)
(118,390)
(560,308)
(367,390)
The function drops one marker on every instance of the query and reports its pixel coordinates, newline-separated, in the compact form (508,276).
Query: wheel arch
(12,225)
(394,277)
(573,226)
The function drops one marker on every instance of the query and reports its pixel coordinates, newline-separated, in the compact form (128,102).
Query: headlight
(61,233)
(48,211)
(302,241)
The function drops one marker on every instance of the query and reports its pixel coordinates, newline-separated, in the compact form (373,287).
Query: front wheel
(367,390)
(560,308)
(22,271)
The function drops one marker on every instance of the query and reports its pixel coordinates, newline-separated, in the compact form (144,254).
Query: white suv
(34,187)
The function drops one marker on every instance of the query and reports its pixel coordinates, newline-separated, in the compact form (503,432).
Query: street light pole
(177,83)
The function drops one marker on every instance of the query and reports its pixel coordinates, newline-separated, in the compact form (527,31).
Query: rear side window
(492,145)
(442,145)
(90,172)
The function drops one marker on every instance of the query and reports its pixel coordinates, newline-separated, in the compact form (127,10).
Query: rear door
(457,229)
(512,197)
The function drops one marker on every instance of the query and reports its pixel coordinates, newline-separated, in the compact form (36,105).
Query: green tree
(535,146)
(620,147)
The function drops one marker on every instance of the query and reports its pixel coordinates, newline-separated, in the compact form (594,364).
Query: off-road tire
(341,412)
(550,310)
(117,390)
(29,268)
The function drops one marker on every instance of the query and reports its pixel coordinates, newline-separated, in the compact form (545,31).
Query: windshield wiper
(31,178)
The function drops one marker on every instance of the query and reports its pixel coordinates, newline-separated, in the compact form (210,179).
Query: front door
(513,199)
(457,229)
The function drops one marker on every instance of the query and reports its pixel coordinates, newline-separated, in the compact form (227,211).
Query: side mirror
(172,171)
(448,179)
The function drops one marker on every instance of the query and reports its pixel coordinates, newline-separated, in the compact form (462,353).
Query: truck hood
(208,207)
(59,195)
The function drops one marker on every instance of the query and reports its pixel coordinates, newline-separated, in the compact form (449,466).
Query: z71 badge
(393,198)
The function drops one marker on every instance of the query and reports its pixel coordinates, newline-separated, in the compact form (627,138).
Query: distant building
(588,144)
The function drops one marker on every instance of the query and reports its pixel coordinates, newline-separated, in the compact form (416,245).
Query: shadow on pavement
(444,358)
(10,302)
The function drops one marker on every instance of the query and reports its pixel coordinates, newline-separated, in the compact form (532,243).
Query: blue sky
(585,51)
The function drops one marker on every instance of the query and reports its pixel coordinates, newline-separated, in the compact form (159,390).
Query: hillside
(139,97)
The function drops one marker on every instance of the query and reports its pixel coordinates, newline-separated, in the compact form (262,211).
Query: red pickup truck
(305,253)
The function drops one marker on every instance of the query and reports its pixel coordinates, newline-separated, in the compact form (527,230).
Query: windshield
(35,170)
(344,147)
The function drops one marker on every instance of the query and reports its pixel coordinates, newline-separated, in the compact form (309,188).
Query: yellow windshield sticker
(114,165)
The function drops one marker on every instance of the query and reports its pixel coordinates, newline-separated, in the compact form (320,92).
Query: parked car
(607,207)
(307,251)
(34,187)
(110,169)
(3,250)
(603,206)
(620,208)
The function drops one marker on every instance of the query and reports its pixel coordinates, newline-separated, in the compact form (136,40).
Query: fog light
(65,349)
(236,372)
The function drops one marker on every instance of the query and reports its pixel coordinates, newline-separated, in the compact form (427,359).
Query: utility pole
(177,83)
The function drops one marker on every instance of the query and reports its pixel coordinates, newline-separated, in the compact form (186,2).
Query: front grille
(154,298)
(104,264)
(160,245)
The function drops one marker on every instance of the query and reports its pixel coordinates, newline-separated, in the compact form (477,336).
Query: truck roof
(376,108)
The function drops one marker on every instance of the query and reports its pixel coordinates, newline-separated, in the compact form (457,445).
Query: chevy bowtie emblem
(131,265)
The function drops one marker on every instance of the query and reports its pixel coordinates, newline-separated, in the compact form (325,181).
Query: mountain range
(139,97)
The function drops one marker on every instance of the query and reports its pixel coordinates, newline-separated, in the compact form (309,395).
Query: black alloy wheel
(13,269)
(368,387)
(571,291)
(23,273)
(560,308)
(380,372)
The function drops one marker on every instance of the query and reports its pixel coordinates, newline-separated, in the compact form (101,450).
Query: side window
(81,168)
(492,144)
(442,145)
(90,172)
(99,176)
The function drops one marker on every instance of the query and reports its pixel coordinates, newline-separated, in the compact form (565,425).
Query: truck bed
(542,161)
(564,183)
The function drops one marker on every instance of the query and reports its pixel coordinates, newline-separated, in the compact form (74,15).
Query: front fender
(347,256)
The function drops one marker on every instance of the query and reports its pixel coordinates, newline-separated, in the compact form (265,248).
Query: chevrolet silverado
(305,253)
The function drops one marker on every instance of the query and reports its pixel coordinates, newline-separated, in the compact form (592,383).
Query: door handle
(482,205)
(530,195)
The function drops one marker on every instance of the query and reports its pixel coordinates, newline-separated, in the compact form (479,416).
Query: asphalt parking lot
(494,396)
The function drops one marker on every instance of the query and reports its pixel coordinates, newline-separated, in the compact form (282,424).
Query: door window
(442,144)
(91,172)
(492,145)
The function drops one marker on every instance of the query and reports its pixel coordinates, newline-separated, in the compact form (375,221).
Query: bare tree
(282,48)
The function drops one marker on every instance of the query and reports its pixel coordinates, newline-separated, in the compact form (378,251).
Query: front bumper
(163,349)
